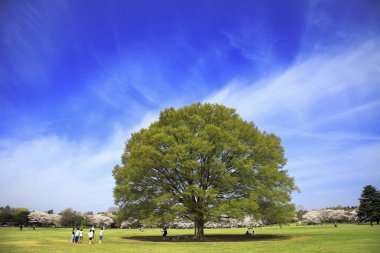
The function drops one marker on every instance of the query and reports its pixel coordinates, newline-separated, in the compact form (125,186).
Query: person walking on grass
(81,235)
(72,235)
(77,232)
(93,233)
(164,234)
(90,235)
(101,235)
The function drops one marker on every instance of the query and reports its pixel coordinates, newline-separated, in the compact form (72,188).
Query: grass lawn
(326,238)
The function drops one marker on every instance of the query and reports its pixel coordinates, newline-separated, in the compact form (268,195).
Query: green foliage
(300,213)
(71,218)
(340,207)
(369,208)
(84,223)
(14,216)
(21,215)
(201,162)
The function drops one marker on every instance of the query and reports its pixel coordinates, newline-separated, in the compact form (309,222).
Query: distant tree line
(180,223)
(72,218)
(67,218)
(340,207)
(329,216)
(13,216)
(368,210)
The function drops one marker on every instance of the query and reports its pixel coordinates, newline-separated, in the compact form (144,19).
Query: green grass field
(326,238)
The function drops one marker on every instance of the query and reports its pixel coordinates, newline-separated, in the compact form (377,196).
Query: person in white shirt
(77,232)
(101,235)
(90,235)
(93,233)
(81,236)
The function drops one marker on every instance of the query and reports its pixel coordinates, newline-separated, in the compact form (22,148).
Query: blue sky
(78,77)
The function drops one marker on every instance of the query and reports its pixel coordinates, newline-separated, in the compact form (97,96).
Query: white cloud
(324,108)
(28,44)
(296,93)
(54,172)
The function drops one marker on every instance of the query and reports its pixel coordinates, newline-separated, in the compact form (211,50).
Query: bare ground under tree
(210,238)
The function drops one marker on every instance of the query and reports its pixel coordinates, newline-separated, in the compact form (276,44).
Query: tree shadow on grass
(210,238)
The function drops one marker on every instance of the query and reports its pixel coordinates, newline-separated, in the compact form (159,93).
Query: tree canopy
(9,215)
(70,218)
(369,208)
(202,162)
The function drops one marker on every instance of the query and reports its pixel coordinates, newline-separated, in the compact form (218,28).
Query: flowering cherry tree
(100,220)
(330,215)
(312,217)
(44,219)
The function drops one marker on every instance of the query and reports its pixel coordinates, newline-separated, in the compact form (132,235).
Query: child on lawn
(90,235)
(72,235)
(77,232)
(81,236)
(101,235)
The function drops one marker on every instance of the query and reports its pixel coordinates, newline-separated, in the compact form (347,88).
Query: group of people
(77,235)
(249,234)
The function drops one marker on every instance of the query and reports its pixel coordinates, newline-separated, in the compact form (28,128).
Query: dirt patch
(59,240)
(210,238)
(23,243)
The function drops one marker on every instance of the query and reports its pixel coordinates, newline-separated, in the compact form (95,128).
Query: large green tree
(369,208)
(21,216)
(16,216)
(201,162)
(71,218)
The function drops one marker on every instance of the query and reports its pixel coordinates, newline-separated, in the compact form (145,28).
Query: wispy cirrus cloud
(52,171)
(319,86)
(28,44)
(326,109)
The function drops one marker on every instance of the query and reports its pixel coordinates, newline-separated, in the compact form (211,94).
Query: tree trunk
(199,233)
